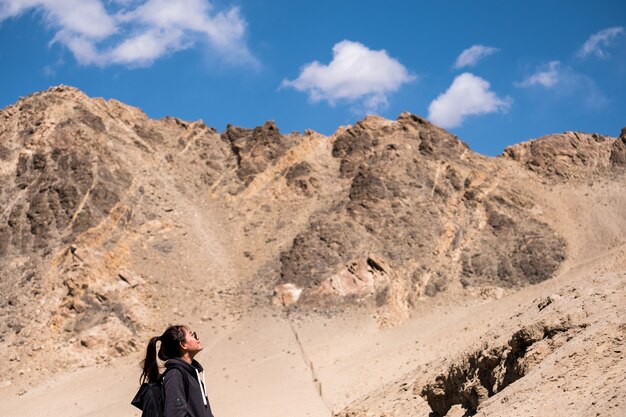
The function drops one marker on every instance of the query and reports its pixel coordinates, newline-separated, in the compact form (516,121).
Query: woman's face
(192,343)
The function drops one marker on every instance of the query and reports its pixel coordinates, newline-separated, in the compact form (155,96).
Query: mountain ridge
(110,218)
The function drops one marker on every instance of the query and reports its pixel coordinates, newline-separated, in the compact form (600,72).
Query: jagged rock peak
(374,122)
(58,90)
(618,151)
(255,148)
(410,117)
(568,155)
(198,124)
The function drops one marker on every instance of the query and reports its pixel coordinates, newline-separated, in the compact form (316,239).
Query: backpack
(150,397)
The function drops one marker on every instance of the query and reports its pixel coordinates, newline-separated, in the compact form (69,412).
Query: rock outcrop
(430,207)
(570,155)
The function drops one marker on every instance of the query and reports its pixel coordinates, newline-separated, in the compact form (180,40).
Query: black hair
(170,340)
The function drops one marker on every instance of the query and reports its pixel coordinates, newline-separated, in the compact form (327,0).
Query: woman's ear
(183,346)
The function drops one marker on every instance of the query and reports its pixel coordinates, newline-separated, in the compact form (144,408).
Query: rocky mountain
(112,222)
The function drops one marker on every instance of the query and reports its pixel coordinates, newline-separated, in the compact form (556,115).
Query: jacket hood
(190,368)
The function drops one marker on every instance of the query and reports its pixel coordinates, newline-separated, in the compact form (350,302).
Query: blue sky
(492,72)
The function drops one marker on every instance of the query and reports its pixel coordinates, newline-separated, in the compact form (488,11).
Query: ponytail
(170,340)
(150,366)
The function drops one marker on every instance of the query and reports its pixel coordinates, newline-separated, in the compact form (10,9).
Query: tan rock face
(569,155)
(485,373)
(618,150)
(438,213)
(360,279)
(255,148)
(111,222)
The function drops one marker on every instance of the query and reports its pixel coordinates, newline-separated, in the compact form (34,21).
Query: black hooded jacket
(177,404)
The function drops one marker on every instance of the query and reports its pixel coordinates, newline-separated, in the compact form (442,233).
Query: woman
(183,389)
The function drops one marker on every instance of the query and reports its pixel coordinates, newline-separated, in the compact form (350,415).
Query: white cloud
(472,55)
(83,48)
(356,74)
(147,46)
(567,85)
(136,33)
(600,40)
(468,95)
(548,76)
(86,18)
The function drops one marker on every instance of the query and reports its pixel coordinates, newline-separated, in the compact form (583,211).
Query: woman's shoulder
(175,377)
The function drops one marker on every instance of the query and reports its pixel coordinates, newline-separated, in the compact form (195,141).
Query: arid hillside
(113,224)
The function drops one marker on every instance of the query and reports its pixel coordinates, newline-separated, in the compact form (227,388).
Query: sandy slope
(256,366)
